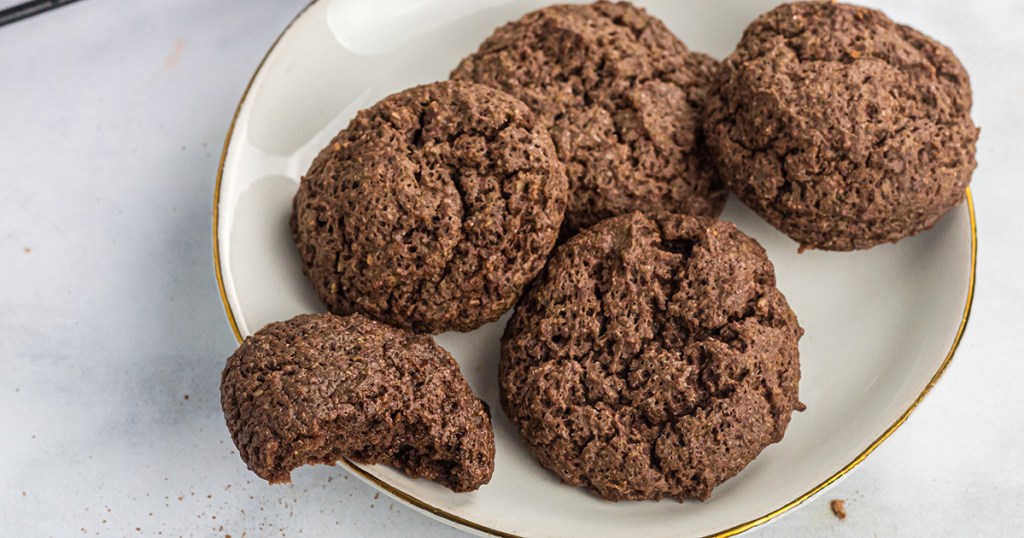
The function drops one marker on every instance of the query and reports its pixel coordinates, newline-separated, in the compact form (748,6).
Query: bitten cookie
(320,387)
(654,357)
(841,128)
(432,209)
(623,98)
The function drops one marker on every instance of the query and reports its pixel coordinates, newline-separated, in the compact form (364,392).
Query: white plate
(881,325)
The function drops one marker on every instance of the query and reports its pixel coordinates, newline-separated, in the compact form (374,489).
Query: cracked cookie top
(653,357)
(320,387)
(841,128)
(432,209)
(622,97)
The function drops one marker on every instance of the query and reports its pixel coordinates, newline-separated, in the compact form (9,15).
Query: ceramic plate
(881,324)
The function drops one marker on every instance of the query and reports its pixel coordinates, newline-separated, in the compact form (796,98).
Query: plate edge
(820,488)
(218,273)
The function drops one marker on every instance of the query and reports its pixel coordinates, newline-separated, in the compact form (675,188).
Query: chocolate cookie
(841,128)
(653,357)
(432,209)
(320,387)
(623,98)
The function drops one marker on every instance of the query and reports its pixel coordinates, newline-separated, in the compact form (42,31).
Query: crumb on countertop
(839,508)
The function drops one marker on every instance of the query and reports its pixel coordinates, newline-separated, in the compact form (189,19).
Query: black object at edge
(28,9)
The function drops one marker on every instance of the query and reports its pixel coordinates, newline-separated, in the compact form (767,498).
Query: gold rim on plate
(437,512)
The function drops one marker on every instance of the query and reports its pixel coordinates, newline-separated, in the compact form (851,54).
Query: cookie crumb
(186,396)
(28,250)
(839,508)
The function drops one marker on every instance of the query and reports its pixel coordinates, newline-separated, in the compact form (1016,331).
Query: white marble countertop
(112,334)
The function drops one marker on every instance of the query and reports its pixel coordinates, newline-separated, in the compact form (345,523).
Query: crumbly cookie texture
(432,209)
(319,387)
(654,357)
(840,127)
(623,98)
